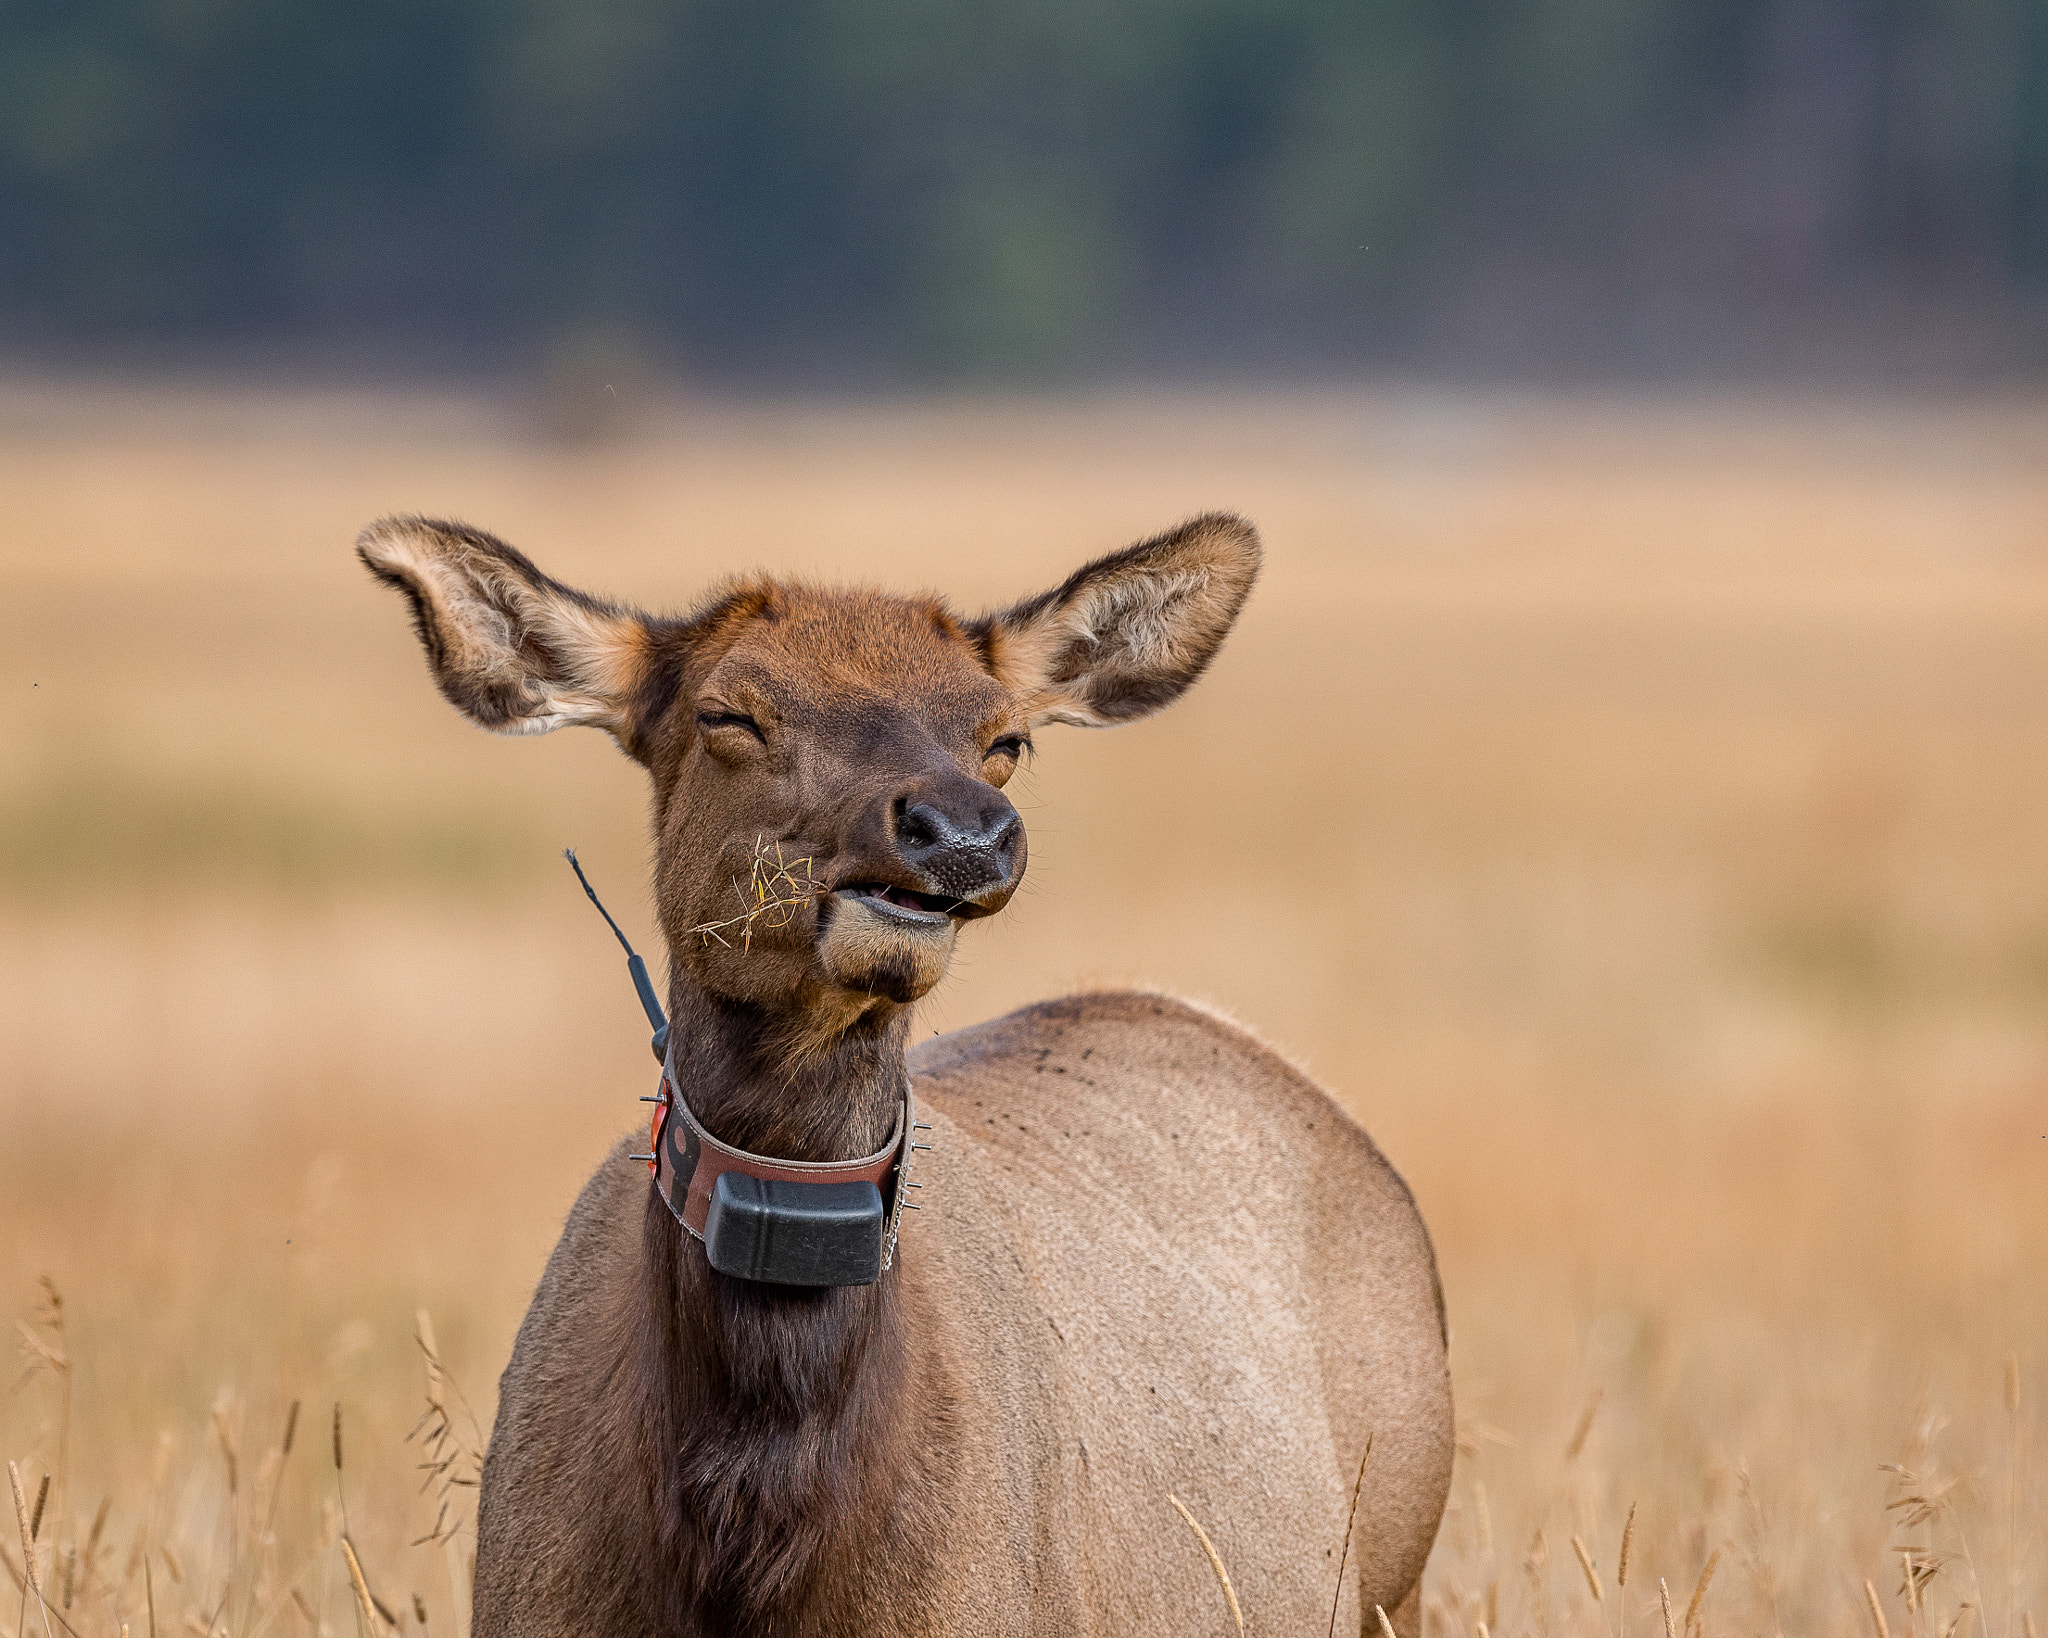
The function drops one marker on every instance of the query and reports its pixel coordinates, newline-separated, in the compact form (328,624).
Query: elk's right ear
(511,649)
(1129,632)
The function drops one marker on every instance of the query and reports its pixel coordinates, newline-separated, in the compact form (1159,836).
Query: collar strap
(688,1162)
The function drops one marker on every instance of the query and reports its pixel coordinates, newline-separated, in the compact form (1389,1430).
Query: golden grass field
(1634,809)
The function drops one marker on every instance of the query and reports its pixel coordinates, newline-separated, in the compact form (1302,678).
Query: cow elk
(751,1397)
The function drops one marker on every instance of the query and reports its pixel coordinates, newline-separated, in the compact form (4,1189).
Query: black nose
(961,837)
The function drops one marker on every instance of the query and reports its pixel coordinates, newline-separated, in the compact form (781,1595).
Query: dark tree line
(812,186)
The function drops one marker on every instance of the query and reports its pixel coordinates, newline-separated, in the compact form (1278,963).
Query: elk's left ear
(510,648)
(1129,632)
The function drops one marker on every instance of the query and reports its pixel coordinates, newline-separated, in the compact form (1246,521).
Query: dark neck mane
(778,1420)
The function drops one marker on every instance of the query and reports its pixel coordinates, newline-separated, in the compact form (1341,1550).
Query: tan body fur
(1154,1260)
(1210,1284)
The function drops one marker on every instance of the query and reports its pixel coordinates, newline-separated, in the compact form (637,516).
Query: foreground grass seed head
(283,1555)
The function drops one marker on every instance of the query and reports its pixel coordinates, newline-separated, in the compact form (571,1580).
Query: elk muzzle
(959,839)
(943,849)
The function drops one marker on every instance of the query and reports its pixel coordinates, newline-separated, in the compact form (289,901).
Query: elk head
(828,766)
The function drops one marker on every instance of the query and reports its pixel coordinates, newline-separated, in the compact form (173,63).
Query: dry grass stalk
(449,1462)
(28,1545)
(1534,1563)
(46,1348)
(1585,1427)
(1628,1536)
(1215,1560)
(1386,1626)
(2027,1623)
(89,1560)
(1918,1569)
(1664,1600)
(224,1431)
(1586,1564)
(1699,1593)
(28,1540)
(1350,1520)
(777,888)
(375,1617)
(1918,1498)
(1877,1620)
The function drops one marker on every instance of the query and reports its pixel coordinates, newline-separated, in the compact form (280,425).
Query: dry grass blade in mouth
(777,888)
(1215,1559)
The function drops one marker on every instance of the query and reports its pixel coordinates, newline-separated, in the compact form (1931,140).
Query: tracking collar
(781,1222)
(785,1222)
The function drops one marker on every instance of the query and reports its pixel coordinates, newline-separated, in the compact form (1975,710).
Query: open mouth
(906,904)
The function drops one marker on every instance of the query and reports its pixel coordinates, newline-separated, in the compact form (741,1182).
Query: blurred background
(904,190)
(1625,790)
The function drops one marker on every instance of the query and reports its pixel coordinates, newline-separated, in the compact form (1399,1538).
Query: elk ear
(1129,632)
(511,649)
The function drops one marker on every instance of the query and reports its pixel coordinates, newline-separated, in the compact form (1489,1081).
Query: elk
(1153,1258)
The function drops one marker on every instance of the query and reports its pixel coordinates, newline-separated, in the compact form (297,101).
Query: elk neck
(782,1082)
(783,1418)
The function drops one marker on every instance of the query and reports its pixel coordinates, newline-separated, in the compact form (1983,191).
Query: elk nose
(963,839)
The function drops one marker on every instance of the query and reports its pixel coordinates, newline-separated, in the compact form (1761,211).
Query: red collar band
(688,1161)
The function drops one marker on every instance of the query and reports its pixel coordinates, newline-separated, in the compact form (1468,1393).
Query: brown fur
(1155,1257)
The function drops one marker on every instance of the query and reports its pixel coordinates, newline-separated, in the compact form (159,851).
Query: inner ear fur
(1129,632)
(512,649)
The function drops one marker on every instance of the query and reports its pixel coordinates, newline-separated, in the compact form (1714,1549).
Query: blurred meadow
(1631,805)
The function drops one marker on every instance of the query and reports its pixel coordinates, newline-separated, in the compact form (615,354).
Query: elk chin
(873,948)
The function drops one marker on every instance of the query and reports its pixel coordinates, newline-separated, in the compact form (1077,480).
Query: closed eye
(708,720)
(1012,746)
